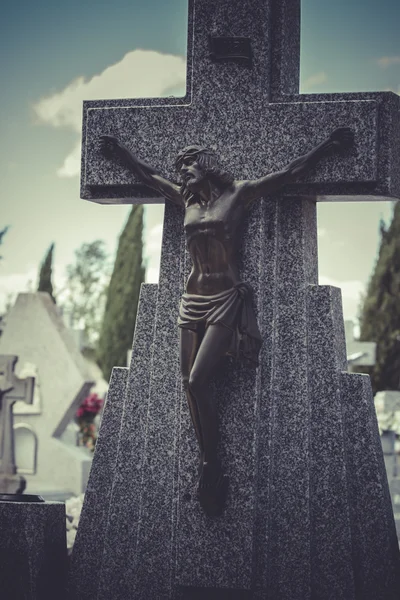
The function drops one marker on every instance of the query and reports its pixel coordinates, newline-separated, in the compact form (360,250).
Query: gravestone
(36,333)
(12,389)
(308,513)
(33,550)
(358,353)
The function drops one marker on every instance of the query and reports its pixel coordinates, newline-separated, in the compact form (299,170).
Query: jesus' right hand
(109,145)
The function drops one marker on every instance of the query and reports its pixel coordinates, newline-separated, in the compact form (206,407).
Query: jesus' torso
(211,235)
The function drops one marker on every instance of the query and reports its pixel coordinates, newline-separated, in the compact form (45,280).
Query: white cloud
(314,80)
(153,253)
(388,61)
(72,163)
(140,74)
(351,293)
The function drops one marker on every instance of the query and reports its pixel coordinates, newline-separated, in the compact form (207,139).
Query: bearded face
(192,173)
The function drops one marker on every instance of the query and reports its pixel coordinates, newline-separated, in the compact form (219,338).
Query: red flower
(90,406)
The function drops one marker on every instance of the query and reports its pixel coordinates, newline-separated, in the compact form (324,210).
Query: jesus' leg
(189,345)
(213,348)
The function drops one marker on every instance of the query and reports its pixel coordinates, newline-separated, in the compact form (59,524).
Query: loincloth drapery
(232,309)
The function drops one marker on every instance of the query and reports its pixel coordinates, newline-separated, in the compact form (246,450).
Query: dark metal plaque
(236,49)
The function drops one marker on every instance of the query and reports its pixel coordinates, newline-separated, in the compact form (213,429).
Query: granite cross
(242,100)
(250,112)
(11,389)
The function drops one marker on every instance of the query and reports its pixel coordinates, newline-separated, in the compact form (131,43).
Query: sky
(54,55)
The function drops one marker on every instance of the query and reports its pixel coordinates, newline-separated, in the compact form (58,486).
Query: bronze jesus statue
(216,316)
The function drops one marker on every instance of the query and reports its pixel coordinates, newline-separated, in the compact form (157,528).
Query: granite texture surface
(33,551)
(375,546)
(123,522)
(287,442)
(86,558)
(290,529)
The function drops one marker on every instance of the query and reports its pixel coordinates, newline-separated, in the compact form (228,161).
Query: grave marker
(12,389)
(298,510)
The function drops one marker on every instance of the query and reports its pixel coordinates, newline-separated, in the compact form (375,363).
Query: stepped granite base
(308,513)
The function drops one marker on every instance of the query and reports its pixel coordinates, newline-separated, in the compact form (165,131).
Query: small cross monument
(308,513)
(11,389)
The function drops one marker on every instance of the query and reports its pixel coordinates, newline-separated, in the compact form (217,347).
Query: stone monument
(12,389)
(32,551)
(308,514)
(36,333)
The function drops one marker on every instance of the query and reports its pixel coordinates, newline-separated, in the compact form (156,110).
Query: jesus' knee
(197,384)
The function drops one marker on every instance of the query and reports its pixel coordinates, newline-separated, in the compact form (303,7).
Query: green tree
(45,284)
(123,296)
(380,309)
(83,297)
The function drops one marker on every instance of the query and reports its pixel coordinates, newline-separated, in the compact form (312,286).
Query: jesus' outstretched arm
(110,146)
(341,138)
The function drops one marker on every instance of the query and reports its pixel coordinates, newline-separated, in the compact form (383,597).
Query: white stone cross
(11,389)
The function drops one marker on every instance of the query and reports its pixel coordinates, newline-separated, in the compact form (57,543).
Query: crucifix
(242,104)
(11,389)
(216,315)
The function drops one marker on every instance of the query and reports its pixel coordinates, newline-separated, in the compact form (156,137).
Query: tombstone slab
(298,511)
(33,551)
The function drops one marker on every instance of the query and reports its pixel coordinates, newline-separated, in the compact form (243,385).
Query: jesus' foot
(212,489)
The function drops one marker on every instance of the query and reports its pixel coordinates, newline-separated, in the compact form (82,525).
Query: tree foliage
(45,283)
(123,296)
(380,309)
(86,286)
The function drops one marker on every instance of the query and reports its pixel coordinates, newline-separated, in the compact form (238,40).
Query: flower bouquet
(85,415)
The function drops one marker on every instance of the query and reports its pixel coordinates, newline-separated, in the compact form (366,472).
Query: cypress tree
(122,296)
(380,310)
(45,284)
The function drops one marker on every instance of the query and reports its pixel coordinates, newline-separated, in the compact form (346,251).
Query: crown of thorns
(193,151)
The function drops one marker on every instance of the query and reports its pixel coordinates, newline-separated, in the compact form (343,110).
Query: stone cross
(250,112)
(11,389)
(298,510)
